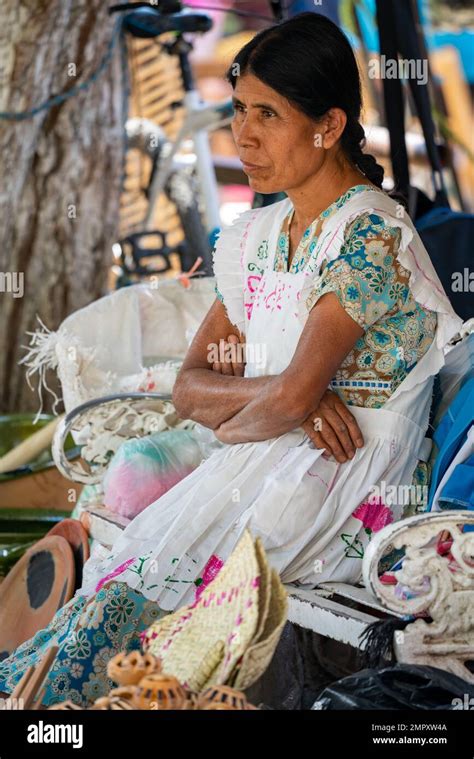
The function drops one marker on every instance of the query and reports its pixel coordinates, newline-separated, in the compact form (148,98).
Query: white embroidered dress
(311,514)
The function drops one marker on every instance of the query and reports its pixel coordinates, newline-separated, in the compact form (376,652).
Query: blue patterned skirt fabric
(88,632)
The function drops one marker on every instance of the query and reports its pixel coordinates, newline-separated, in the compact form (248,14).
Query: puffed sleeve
(228,259)
(363,276)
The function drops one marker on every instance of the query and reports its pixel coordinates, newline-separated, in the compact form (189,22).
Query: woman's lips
(250,166)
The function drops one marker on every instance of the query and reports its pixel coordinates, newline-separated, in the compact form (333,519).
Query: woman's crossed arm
(207,396)
(243,409)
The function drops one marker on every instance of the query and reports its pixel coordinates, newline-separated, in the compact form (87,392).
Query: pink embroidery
(250,285)
(268,297)
(443,295)
(248,308)
(244,239)
(115,572)
(310,474)
(212,568)
(373,514)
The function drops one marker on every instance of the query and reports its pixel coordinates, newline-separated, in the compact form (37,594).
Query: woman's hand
(233,353)
(332,426)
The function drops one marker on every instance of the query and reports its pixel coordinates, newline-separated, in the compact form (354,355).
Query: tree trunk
(60,172)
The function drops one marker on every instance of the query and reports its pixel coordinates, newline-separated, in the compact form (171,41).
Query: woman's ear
(334,123)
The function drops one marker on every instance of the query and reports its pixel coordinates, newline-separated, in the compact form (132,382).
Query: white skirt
(300,505)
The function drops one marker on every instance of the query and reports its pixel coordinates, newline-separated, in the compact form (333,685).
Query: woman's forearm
(264,417)
(211,398)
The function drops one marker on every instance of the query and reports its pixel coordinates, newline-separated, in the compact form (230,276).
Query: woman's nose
(245,133)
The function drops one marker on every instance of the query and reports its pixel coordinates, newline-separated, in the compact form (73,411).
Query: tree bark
(60,172)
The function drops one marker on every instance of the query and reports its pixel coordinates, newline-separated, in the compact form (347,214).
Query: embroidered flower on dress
(76,670)
(119,610)
(96,687)
(151,613)
(99,638)
(78,647)
(93,615)
(74,696)
(365,359)
(353,292)
(376,252)
(101,659)
(373,514)
(60,684)
(386,363)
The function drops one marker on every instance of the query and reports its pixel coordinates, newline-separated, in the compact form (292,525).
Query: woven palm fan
(198,644)
(264,590)
(266,605)
(273,606)
(258,655)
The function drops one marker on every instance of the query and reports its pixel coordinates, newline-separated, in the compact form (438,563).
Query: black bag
(447,235)
(401,686)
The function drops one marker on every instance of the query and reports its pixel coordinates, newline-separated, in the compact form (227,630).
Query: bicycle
(189,181)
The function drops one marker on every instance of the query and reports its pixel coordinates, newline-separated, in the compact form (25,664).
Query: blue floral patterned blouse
(373,288)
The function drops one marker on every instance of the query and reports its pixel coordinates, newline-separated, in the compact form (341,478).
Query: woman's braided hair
(352,141)
(308,60)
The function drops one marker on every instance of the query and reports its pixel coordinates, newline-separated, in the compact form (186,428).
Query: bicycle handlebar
(146,20)
(163,6)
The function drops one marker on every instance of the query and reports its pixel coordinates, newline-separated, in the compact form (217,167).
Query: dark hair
(308,60)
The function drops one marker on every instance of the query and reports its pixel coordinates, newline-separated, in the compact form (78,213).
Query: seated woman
(335,299)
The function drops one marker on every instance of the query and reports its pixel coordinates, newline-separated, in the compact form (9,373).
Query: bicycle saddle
(150,22)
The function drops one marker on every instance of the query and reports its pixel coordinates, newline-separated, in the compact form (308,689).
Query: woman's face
(275,141)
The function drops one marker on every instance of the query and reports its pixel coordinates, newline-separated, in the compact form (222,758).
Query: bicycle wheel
(181,189)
